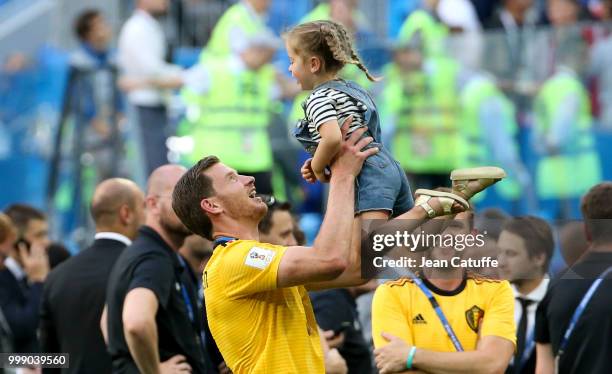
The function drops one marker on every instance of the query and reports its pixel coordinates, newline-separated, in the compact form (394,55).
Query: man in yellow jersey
(258,308)
(445,319)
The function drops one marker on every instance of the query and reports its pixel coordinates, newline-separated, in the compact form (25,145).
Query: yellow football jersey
(479,307)
(259,327)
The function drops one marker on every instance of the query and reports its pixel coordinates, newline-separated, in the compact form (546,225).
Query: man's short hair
(22,214)
(537,235)
(6,227)
(596,209)
(194,186)
(108,198)
(491,221)
(265,225)
(83,23)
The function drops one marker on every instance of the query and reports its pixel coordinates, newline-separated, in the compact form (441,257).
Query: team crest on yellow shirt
(474,317)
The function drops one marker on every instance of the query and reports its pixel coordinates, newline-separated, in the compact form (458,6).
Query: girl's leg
(363,222)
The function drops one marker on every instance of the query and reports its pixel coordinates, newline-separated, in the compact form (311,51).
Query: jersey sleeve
(250,268)
(388,315)
(498,319)
(321,108)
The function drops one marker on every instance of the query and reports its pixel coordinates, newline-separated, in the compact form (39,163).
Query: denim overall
(382,184)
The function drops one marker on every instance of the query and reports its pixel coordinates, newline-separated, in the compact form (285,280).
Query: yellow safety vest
(231,120)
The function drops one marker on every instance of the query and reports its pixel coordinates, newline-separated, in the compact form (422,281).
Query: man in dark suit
(7,238)
(24,270)
(75,291)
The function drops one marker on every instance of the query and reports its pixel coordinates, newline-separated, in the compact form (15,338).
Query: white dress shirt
(141,54)
(113,236)
(13,266)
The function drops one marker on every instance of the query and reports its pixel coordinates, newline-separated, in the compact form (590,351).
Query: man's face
(168,218)
(489,249)
(260,6)
(155,7)
(562,12)
(408,59)
(37,231)
(265,52)
(160,204)
(235,194)
(100,34)
(455,227)
(281,230)
(514,261)
(522,5)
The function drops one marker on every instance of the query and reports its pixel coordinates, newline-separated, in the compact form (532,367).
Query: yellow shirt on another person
(258,327)
(479,307)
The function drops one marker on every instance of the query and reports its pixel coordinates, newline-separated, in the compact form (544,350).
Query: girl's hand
(324,176)
(307,173)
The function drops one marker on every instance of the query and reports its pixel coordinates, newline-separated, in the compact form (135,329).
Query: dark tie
(24,285)
(521,334)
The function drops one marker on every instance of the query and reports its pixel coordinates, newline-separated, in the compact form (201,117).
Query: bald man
(152,318)
(75,291)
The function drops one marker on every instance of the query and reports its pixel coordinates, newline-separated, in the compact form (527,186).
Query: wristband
(410,358)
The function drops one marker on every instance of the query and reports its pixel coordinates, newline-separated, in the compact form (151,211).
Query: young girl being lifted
(317,52)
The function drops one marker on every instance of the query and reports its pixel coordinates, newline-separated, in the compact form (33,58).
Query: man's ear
(150,203)
(209,205)
(315,64)
(540,259)
(125,214)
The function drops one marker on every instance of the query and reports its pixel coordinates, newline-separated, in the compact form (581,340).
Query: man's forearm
(142,342)
(335,233)
(104,324)
(545,361)
(470,362)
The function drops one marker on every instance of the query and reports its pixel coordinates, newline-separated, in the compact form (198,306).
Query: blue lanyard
(190,309)
(441,316)
(185,293)
(222,240)
(578,312)
(529,345)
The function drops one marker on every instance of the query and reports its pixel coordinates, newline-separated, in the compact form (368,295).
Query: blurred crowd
(521,84)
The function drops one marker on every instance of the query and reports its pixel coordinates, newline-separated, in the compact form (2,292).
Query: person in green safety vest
(345,12)
(488,136)
(229,109)
(240,22)
(569,163)
(425,21)
(420,110)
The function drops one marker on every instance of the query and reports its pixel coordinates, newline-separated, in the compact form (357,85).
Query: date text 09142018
(34,360)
